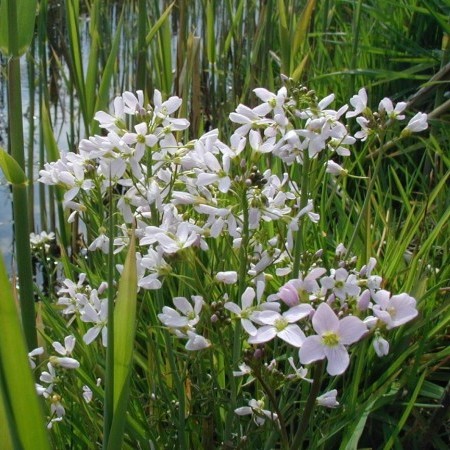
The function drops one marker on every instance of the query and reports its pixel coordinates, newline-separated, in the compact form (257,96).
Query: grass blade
(26,14)
(18,393)
(124,332)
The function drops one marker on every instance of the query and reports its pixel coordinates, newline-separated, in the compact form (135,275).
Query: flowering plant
(229,266)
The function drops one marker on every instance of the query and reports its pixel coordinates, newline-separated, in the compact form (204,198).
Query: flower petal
(338,359)
(351,329)
(311,350)
(325,319)
(264,334)
(293,335)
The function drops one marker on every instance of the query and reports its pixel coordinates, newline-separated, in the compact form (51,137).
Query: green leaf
(155,28)
(26,15)
(18,393)
(11,169)
(124,333)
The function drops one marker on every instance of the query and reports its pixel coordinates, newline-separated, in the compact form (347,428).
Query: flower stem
(309,407)
(242,275)
(299,236)
(109,376)
(269,392)
(365,205)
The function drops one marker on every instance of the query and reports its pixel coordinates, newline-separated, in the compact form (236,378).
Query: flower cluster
(53,377)
(81,300)
(242,201)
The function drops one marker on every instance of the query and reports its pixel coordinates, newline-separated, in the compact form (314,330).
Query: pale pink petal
(264,334)
(325,319)
(233,308)
(338,359)
(311,350)
(183,305)
(268,317)
(91,334)
(293,335)
(351,329)
(247,297)
(297,312)
(249,327)
(243,411)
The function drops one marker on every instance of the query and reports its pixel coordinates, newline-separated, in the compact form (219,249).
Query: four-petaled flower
(333,335)
(255,408)
(281,325)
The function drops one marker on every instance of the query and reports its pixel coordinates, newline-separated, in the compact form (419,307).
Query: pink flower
(333,335)
(394,311)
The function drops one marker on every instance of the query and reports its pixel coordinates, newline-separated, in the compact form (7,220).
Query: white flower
(299,372)
(32,354)
(381,346)
(189,316)
(416,124)
(69,344)
(184,238)
(196,342)
(99,318)
(328,399)
(101,242)
(87,394)
(341,284)
(228,277)
(247,310)
(359,102)
(255,409)
(281,325)
(335,169)
(65,362)
(49,377)
(387,106)
(244,369)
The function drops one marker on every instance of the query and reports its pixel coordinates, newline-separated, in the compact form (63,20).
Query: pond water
(60,122)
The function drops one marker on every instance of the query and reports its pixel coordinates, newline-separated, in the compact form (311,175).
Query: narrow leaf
(11,169)
(18,392)
(26,15)
(124,332)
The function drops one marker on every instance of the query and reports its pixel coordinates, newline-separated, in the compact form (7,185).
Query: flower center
(392,311)
(330,338)
(281,324)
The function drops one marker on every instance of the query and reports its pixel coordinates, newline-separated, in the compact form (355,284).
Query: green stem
(109,376)
(362,214)
(20,198)
(180,393)
(299,236)
(269,392)
(309,407)
(242,276)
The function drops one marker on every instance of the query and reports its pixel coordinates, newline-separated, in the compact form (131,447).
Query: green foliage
(17,391)
(25,18)
(213,54)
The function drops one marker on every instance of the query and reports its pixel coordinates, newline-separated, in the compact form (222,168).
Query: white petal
(183,305)
(91,334)
(293,335)
(264,334)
